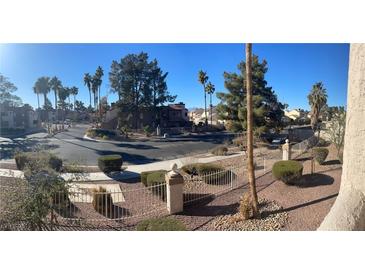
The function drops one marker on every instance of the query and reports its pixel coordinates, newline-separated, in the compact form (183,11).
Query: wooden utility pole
(250,165)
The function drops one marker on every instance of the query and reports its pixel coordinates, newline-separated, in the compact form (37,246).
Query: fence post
(286,150)
(174,188)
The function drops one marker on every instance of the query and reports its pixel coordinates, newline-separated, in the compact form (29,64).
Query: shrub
(103,202)
(147,130)
(30,159)
(220,151)
(161,224)
(320,154)
(110,163)
(210,173)
(245,207)
(100,133)
(155,180)
(239,141)
(287,171)
(144,175)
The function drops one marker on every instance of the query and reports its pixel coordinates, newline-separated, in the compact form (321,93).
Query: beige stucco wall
(348,212)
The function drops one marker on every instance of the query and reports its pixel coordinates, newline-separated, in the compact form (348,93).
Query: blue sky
(293,68)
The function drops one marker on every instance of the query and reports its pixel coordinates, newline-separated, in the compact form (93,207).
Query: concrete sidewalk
(131,172)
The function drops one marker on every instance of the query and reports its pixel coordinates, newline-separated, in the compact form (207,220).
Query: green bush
(100,133)
(220,151)
(155,180)
(210,173)
(29,159)
(144,175)
(320,154)
(103,202)
(161,224)
(287,171)
(201,168)
(110,163)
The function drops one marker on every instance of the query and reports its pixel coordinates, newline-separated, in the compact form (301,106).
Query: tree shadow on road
(8,150)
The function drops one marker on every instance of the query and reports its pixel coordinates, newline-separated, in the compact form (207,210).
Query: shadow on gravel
(316,179)
(303,205)
(210,211)
(332,162)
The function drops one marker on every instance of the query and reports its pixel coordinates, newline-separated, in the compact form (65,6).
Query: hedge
(110,163)
(155,181)
(287,171)
(144,175)
(210,173)
(320,154)
(161,224)
(23,159)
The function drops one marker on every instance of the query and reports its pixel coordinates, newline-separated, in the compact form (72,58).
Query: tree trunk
(38,100)
(250,165)
(99,106)
(44,105)
(211,110)
(55,100)
(205,106)
(90,97)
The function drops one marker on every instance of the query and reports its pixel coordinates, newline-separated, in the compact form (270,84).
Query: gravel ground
(272,218)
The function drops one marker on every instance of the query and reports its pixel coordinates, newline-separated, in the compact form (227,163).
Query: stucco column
(286,150)
(174,188)
(348,212)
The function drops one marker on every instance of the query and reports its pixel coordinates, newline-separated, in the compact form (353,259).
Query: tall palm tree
(99,75)
(317,98)
(210,88)
(94,89)
(203,78)
(250,165)
(56,85)
(87,82)
(42,86)
(74,91)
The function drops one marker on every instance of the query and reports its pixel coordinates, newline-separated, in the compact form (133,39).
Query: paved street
(71,146)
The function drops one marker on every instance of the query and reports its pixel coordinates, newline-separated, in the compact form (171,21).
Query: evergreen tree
(140,84)
(267,110)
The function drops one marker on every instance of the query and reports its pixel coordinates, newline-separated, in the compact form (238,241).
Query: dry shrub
(245,208)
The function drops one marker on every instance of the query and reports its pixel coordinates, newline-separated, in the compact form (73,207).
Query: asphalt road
(71,147)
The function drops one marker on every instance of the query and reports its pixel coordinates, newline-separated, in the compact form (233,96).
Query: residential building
(172,115)
(23,117)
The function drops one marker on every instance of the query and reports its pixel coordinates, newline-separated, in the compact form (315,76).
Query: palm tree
(87,82)
(94,89)
(203,78)
(210,88)
(99,74)
(42,86)
(250,165)
(317,98)
(56,85)
(74,91)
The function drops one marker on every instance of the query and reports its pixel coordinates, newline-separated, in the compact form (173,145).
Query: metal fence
(104,206)
(211,184)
